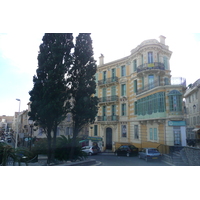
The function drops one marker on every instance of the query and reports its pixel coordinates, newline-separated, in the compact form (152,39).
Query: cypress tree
(83,85)
(49,96)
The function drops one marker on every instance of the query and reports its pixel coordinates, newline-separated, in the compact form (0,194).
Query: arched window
(175,101)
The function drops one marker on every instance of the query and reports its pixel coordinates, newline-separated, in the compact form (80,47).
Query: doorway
(109,138)
(177,136)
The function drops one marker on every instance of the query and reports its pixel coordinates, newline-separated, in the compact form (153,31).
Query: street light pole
(17,125)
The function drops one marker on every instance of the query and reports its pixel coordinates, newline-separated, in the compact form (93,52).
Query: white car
(90,150)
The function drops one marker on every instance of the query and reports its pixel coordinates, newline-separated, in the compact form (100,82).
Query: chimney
(162,39)
(101,60)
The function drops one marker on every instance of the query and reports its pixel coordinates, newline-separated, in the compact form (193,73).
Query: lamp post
(17,124)
(30,121)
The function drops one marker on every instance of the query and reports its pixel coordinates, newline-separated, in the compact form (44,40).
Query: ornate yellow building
(139,102)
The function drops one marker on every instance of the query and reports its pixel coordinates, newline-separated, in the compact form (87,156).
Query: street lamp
(17,124)
(30,121)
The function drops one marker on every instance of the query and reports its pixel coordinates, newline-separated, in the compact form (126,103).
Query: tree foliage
(83,85)
(49,95)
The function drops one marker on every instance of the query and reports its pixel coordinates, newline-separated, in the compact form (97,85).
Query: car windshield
(153,151)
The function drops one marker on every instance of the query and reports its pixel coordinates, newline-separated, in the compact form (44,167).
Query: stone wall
(192,155)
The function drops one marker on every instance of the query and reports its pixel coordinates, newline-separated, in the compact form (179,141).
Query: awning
(94,138)
(82,141)
(196,129)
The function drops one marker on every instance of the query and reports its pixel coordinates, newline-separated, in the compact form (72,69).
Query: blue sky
(116,29)
(18,60)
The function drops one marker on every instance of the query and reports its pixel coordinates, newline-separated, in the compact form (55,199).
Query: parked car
(127,150)
(9,140)
(90,150)
(149,154)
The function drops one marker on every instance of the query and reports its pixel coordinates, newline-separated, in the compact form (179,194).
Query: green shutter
(113,90)
(155,134)
(151,134)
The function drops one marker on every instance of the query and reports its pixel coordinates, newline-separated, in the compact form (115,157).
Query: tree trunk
(75,133)
(49,147)
(54,144)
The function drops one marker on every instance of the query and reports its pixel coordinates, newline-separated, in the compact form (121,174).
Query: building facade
(139,102)
(192,102)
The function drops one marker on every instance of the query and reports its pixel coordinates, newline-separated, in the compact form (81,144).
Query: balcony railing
(108,81)
(150,66)
(106,99)
(173,81)
(108,118)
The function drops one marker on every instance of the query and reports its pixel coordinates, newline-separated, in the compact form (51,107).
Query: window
(104,94)
(150,57)
(123,90)
(135,86)
(95,130)
(68,117)
(136,135)
(123,109)
(175,101)
(151,81)
(166,80)
(96,92)
(143,82)
(165,60)
(104,77)
(123,70)
(113,112)
(153,135)
(134,65)
(113,90)
(136,111)
(113,74)
(151,104)
(69,131)
(124,131)
(104,113)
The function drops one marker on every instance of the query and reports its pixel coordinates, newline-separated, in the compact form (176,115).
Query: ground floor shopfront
(147,133)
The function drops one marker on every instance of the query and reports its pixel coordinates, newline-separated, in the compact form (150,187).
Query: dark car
(9,140)
(127,150)
(149,154)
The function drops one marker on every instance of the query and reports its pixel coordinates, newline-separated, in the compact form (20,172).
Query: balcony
(150,66)
(108,99)
(108,118)
(108,81)
(178,81)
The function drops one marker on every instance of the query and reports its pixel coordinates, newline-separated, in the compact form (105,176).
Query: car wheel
(128,154)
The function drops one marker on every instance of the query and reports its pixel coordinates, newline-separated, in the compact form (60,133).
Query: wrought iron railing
(172,81)
(150,66)
(108,118)
(108,80)
(108,99)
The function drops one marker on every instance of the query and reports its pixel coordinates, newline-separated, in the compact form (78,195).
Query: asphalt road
(113,160)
